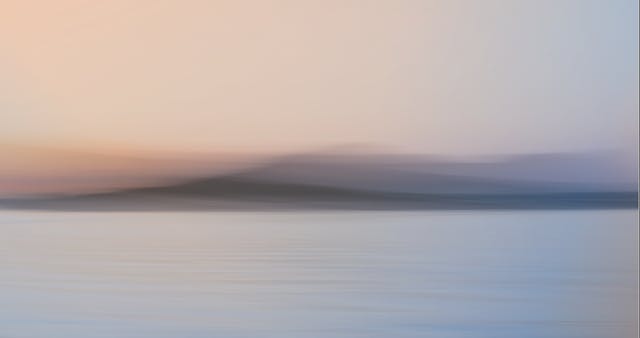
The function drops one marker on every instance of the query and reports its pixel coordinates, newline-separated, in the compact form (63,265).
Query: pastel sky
(431,76)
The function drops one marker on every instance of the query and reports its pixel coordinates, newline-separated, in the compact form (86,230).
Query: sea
(319,274)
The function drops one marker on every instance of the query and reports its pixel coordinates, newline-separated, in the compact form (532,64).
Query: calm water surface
(318,274)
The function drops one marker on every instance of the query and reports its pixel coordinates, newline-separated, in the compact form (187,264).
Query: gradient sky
(431,76)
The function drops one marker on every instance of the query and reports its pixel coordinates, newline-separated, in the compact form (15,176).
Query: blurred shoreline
(330,180)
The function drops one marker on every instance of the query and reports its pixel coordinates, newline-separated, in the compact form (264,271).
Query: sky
(431,76)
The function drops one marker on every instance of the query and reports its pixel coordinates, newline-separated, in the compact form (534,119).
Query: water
(318,274)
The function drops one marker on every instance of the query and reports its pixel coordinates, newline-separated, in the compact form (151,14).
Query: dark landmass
(233,193)
(379,182)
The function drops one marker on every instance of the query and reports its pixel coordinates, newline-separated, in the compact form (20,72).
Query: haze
(446,77)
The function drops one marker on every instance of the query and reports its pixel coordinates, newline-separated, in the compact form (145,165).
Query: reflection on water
(343,274)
